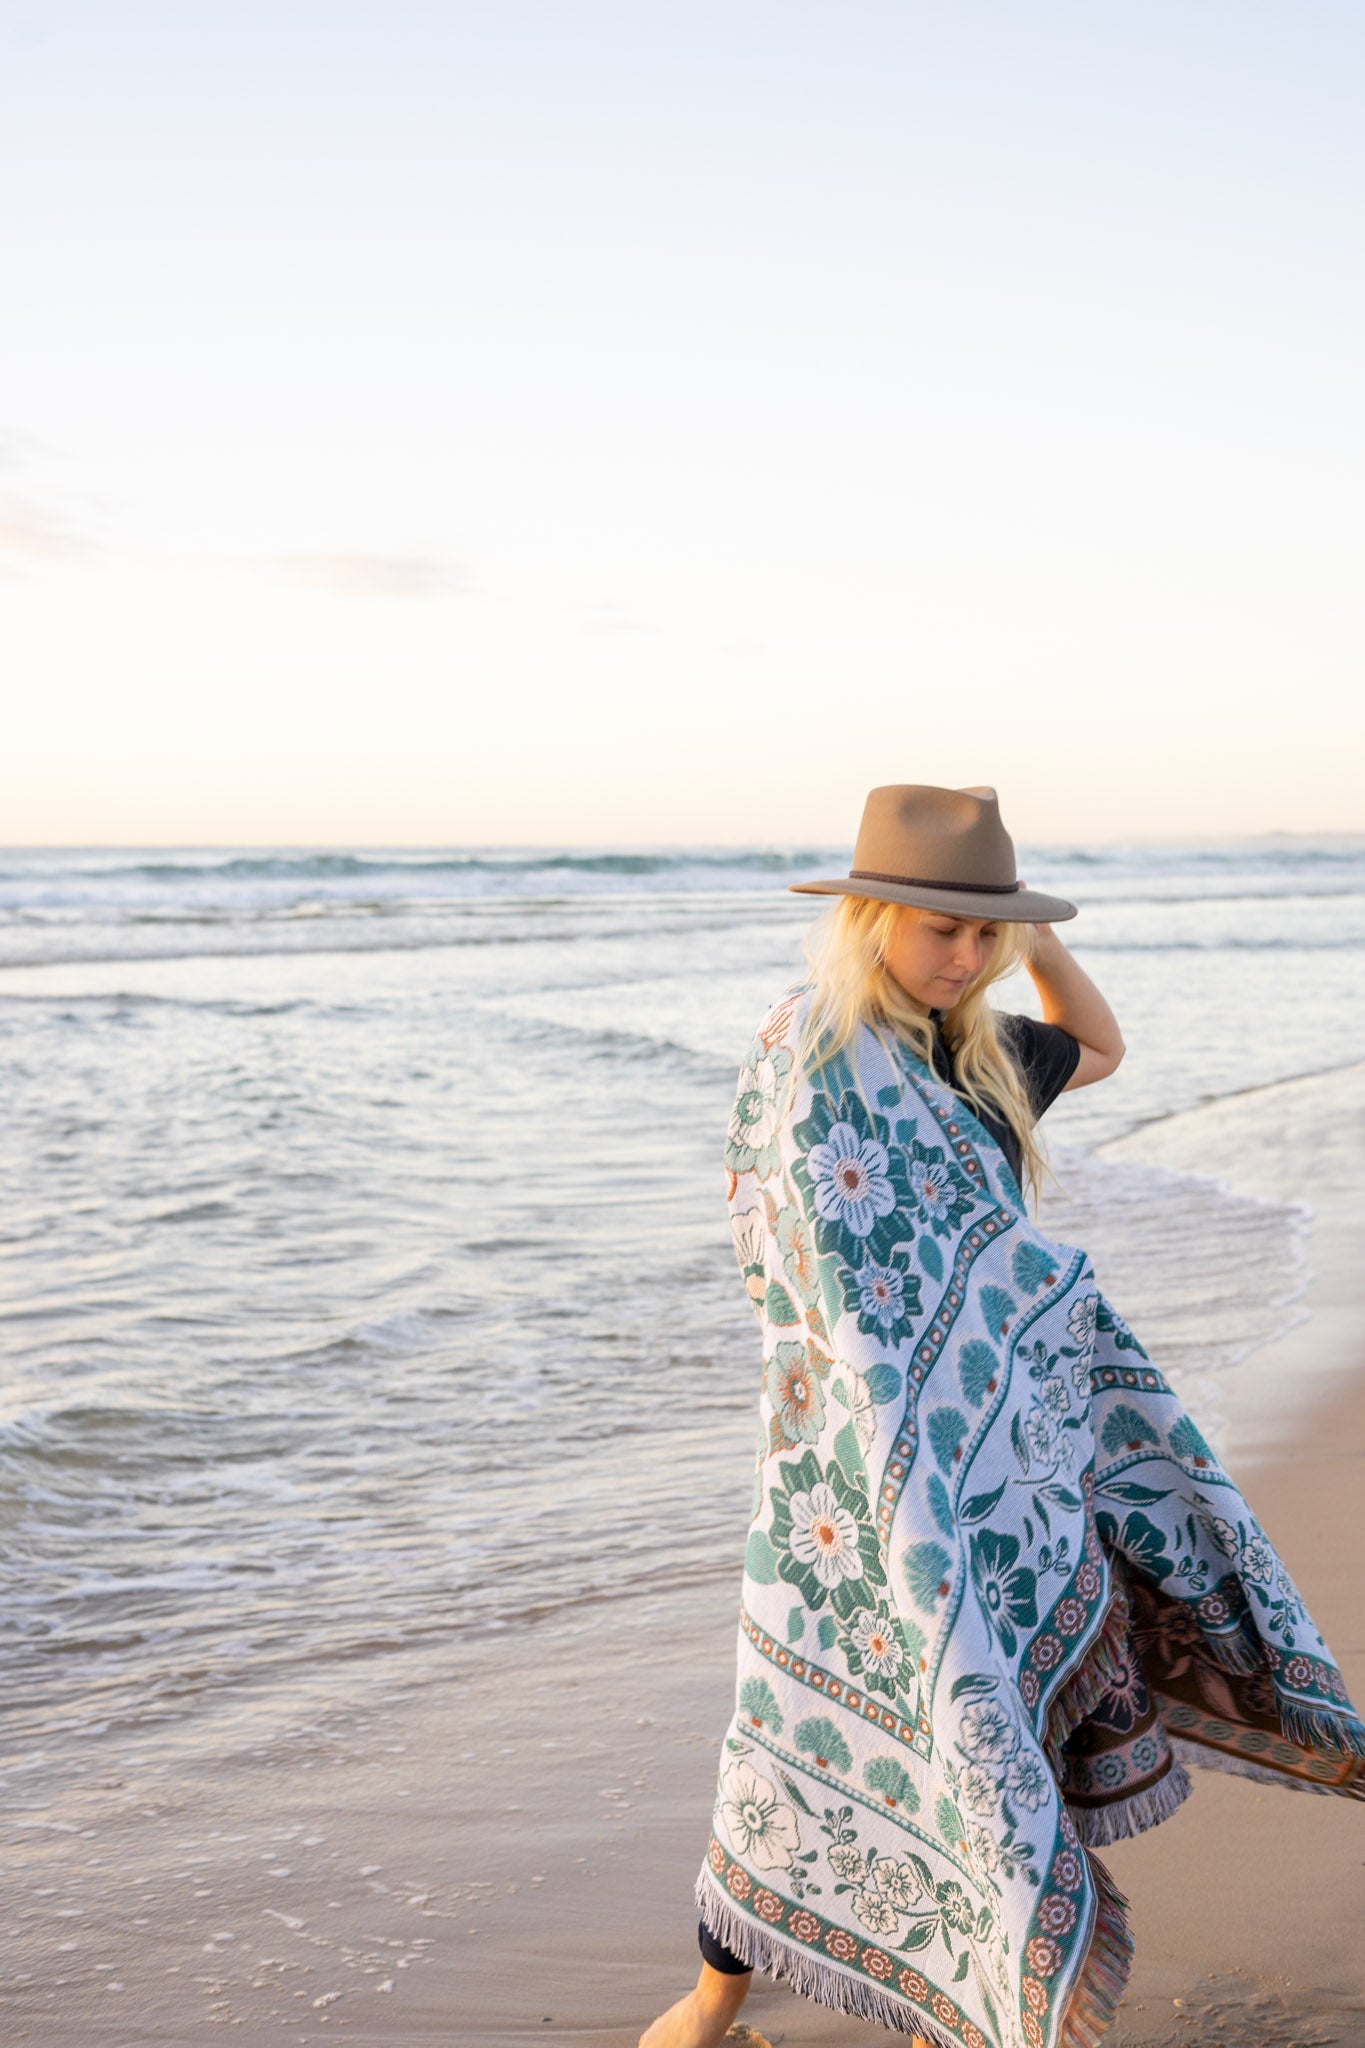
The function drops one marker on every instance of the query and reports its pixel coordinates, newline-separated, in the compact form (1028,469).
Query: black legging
(718,1955)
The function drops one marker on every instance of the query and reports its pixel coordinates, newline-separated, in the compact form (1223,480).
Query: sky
(511,424)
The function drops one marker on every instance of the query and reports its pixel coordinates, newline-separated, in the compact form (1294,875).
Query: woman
(998,1591)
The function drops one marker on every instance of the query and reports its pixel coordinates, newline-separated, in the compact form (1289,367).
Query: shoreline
(502,1849)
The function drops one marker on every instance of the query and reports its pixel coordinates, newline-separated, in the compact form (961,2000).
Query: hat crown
(912,832)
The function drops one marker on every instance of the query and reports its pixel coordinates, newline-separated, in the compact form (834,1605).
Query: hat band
(920,882)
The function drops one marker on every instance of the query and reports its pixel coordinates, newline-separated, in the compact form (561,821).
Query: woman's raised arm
(1071,999)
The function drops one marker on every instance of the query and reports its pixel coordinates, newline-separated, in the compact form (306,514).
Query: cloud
(369,575)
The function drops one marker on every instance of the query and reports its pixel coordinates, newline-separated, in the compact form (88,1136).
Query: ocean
(365,1270)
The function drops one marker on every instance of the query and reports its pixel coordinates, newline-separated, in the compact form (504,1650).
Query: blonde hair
(853,986)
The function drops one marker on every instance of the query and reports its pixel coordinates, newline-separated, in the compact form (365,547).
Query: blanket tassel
(1319,1728)
(811,1976)
(1238,1651)
(1203,1757)
(1119,1819)
(1104,1973)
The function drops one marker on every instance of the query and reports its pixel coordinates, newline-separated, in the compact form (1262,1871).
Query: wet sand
(508,1856)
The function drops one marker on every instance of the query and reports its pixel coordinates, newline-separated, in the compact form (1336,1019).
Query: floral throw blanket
(998,1591)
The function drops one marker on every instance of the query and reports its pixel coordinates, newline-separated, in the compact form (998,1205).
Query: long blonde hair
(853,986)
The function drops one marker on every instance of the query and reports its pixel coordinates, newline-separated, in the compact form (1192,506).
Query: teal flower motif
(1111,1324)
(896,1882)
(874,1652)
(988,1735)
(751,1139)
(1082,1319)
(852,1181)
(1040,1435)
(941,1193)
(1007,1589)
(797,1250)
(1028,1781)
(1055,1397)
(976,1791)
(849,1180)
(826,1546)
(760,1824)
(956,1908)
(1139,1539)
(882,1297)
(793,1386)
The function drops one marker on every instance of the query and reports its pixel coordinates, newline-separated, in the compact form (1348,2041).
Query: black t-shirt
(1046,1056)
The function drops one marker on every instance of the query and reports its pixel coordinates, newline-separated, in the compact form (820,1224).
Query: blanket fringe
(1090,2010)
(1241,1653)
(1101,1669)
(810,1976)
(1320,1728)
(1109,1958)
(1198,1756)
(1117,1820)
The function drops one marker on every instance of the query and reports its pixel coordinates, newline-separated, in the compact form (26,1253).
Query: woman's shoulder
(782,1023)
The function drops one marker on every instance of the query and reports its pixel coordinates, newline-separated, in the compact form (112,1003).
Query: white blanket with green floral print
(957,1433)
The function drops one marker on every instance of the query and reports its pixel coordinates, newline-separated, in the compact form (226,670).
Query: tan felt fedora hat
(942,849)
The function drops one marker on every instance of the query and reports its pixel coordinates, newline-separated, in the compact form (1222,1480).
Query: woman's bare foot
(703,2018)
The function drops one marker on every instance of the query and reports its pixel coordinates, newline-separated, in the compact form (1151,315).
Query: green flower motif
(826,1546)
(852,1182)
(751,1139)
(885,1299)
(1008,1590)
(1138,1539)
(955,1907)
(873,1651)
(792,1377)
(849,1176)
(940,1191)
(797,1248)
(1111,1324)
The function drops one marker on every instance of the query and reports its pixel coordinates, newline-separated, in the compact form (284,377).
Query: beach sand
(509,1857)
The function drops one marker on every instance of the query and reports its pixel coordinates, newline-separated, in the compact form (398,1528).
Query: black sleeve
(1045,1054)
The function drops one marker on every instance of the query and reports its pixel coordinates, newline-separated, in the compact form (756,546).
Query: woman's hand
(1071,999)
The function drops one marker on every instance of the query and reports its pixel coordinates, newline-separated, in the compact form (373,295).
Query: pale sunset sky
(515,423)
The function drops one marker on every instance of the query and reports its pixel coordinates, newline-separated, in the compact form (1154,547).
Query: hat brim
(1023,906)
